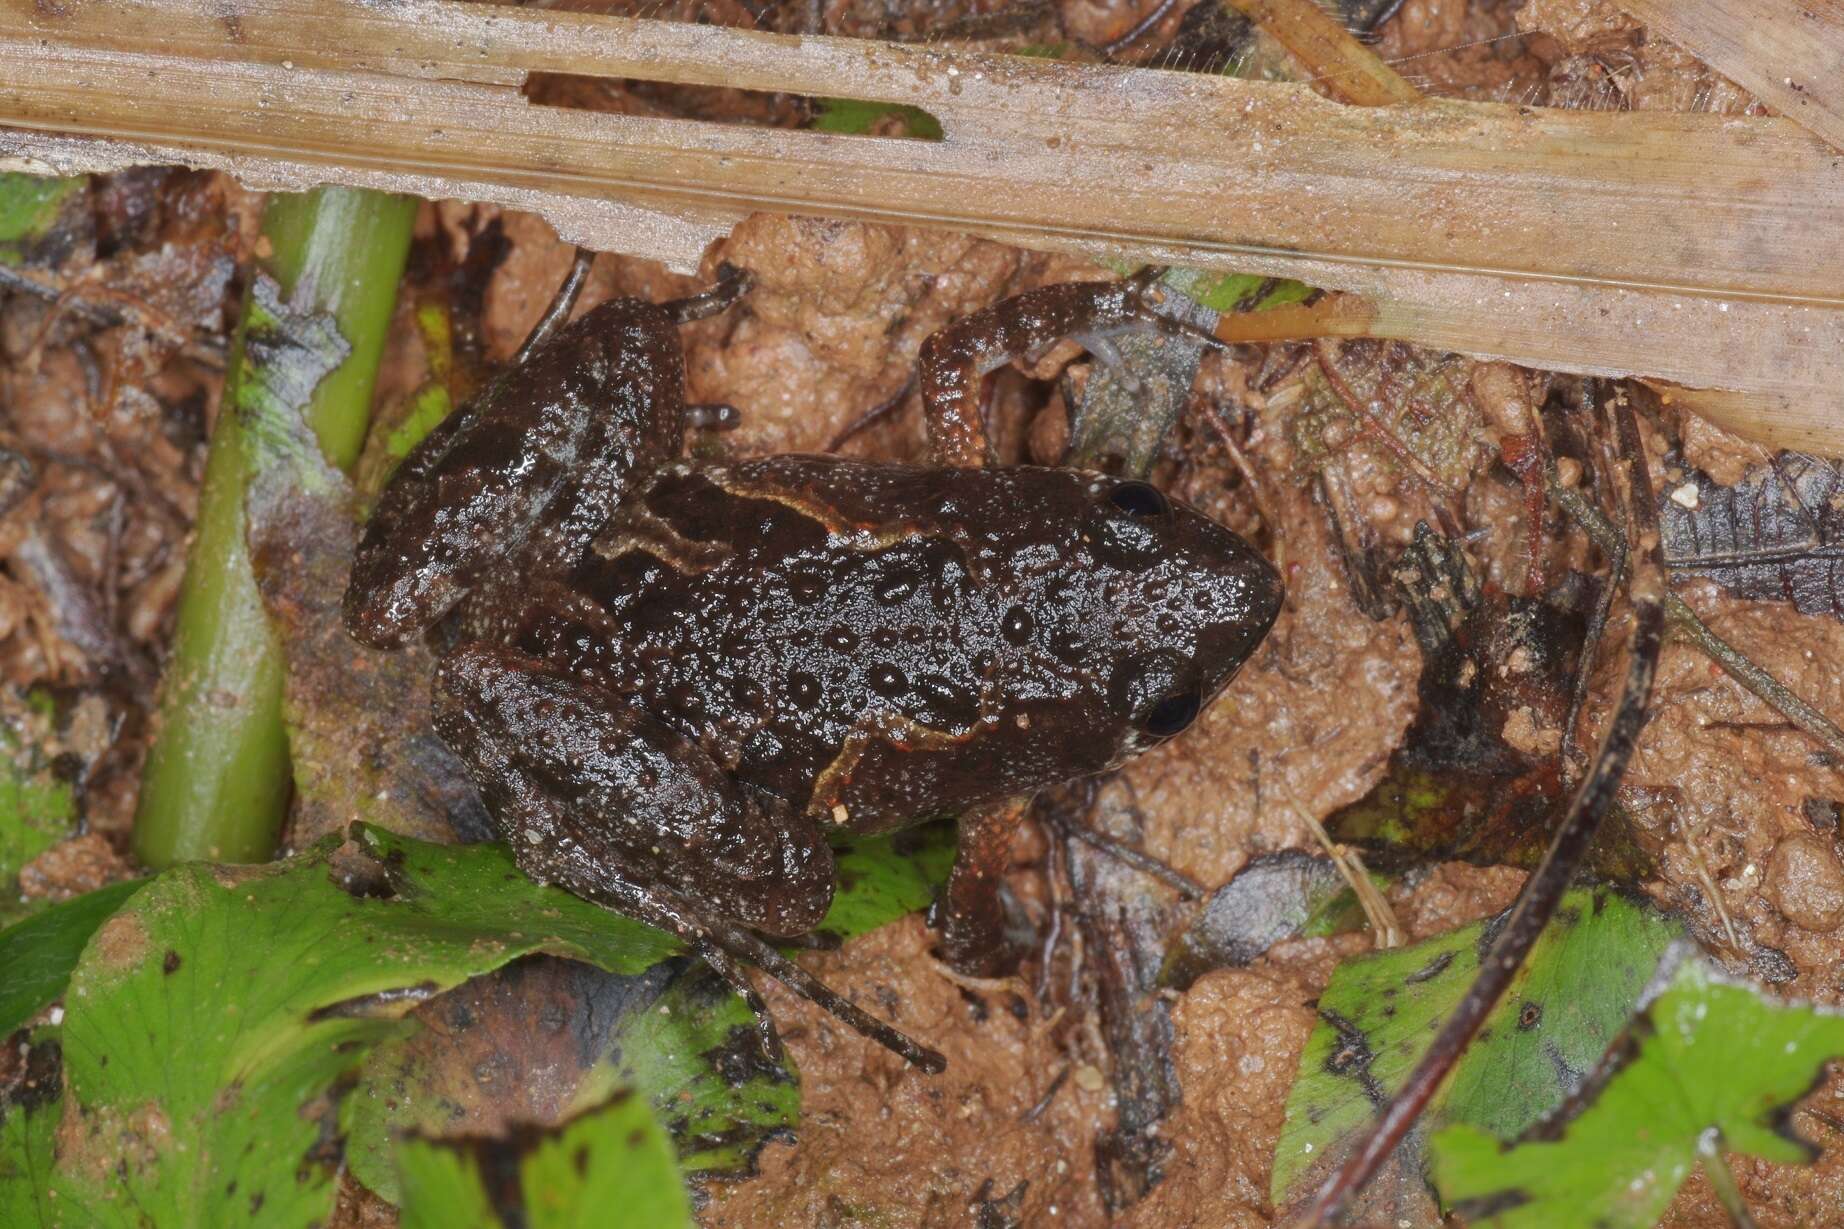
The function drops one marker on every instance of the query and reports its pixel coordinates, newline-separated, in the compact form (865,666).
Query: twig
(1535,905)
(1043,1102)
(421,95)
(1377,910)
(1686,622)
(1126,854)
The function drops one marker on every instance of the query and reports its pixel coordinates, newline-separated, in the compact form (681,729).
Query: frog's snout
(1238,596)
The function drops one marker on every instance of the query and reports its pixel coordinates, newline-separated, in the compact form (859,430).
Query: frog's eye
(1140,500)
(1173,714)
(1124,524)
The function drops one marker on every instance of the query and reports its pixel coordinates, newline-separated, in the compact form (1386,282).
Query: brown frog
(673,680)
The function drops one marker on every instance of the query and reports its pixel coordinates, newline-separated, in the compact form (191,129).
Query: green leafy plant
(306,349)
(1570,1000)
(210,1020)
(39,953)
(610,1165)
(1708,1067)
(37,810)
(679,1038)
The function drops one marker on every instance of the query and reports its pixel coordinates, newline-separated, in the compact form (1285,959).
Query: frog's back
(879,644)
(769,609)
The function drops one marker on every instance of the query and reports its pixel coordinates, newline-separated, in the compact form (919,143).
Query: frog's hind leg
(517,482)
(600,799)
(525,473)
(954,360)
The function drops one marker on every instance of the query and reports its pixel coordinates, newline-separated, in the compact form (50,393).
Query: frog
(677,680)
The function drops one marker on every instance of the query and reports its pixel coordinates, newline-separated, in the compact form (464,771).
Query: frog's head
(1175,605)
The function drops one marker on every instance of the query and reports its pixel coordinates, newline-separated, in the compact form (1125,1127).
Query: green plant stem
(217,779)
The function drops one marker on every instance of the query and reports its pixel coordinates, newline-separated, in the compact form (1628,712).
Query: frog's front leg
(598,798)
(544,452)
(955,360)
(972,912)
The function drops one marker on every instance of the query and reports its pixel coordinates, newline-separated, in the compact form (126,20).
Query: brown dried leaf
(1777,535)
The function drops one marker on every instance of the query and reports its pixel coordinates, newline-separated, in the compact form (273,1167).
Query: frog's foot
(713,416)
(815,991)
(975,939)
(955,359)
(733,282)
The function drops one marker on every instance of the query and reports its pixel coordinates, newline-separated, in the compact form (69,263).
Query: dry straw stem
(1336,59)
(1790,56)
(1701,250)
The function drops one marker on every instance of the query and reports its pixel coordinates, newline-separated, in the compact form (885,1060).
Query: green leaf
(28,1136)
(39,953)
(680,1038)
(1569,1001)
(677,1035)
(208,1019)
(29,208)
(695,1056)
(854,117)
(611,1165)
(1236,292)
(885,877)
(1711,1063)
(36,809)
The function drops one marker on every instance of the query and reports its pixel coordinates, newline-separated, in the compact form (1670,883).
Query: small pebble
(1806,883)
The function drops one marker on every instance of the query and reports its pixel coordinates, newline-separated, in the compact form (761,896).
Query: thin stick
(1126,854)
(1333,57)
(1535,905)
(1383,921)
(1687,623)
